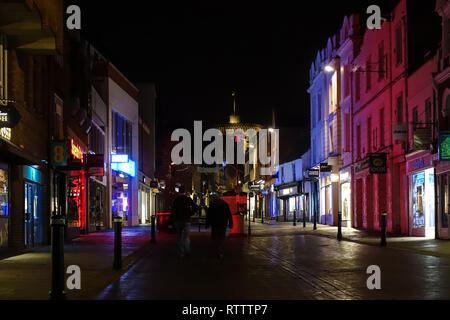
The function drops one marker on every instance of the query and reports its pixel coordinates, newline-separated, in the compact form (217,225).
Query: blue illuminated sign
(119,158)
(126,167)
(30,173)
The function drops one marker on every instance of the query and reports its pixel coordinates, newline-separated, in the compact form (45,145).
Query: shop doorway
(33,215)
(345,204)
(422,214)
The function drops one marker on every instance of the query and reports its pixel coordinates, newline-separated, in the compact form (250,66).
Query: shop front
(76,191)
(289,200)
(123,173)
(145,200)
(346,196)
(421,180)
(326,201)
(4,204)
(33,211)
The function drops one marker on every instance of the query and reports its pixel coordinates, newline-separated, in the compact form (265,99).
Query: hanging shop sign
(119,158)
(444,146)
(153,184)
(32,174)
(96,165)
(362,165)
(255,187)
(422,138)
(9,116)
(58,153)
(400,131)
(324,167)
(377,163)
(313,173)
(76,151)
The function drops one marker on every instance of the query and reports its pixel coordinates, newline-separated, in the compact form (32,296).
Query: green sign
(444,146)
(58,153)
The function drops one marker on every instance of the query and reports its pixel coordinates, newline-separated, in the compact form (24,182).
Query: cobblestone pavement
(281,263)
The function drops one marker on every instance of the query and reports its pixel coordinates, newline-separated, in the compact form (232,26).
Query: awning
(10,153)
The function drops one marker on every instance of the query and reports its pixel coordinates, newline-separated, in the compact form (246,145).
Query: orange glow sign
(76,151)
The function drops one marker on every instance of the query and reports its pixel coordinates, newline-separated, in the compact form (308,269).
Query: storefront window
(120,196)
(444,200)
(4,202)
(345,191)
(417,200)
(75,200)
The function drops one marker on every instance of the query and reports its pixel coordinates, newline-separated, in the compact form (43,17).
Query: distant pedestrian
(218,216)
(182,209)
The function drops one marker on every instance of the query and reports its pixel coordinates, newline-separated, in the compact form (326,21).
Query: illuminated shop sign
(126,167)
(76,151)
(444,146)
(119,158)
(32,174)
(9,117)
(5,133)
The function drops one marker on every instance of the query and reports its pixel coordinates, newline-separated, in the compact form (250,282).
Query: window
(369,134)
(400,109)
(331,140)
(122,134)
(428,113)
(3,68)
(357,86)
(399,44)
(347,132)
(368,75)
(415,116)
(319,106)
(4,195)
(381,65)
(382,127)
(358,141)
(346,80)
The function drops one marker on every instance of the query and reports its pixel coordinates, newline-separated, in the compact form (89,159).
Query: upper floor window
(381,66)
(319,106)
(358,141)
(3,69)
(382,127)
(368,75)
(369,134)
(400,108)
(122,134)
(357,86)
(399,44)
(346,80)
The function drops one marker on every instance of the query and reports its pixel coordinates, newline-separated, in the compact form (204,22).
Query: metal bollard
(153,240)
(57,243)
(262,217)
(249,228)
(383,242)
(304,219)
(295,218)
(117,243)
(315,220)
(339,234)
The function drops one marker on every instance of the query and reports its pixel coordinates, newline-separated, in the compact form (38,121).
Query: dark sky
(198,54)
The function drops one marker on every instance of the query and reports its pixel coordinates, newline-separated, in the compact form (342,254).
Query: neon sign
(5,133)
(76,151)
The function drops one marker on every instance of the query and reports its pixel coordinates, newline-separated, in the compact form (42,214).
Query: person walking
(182,209)
(218,216)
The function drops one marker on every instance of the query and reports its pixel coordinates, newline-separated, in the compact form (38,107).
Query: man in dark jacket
(218,217)
(182,209)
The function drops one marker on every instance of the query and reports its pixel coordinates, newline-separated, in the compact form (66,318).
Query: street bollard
(339,234)
(262,217)
(383,242)
(117,243)
(57,243)
(315,220)
(304,219)
(153,240)
(295,218)
(249,228)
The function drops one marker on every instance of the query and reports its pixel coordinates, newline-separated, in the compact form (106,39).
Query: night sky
(198,54)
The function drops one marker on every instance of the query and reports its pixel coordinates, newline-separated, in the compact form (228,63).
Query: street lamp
(329,68)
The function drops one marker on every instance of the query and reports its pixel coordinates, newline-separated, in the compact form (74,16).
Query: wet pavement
(281,263)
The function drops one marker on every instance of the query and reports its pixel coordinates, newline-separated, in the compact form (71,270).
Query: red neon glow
(76,151)
(78,196)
